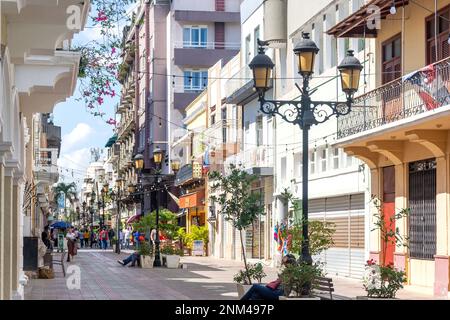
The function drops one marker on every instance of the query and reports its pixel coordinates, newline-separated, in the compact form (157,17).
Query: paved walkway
(103,278)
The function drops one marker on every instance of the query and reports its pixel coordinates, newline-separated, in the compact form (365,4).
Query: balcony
(239,88)
(126,125)
(218,138)
(188,174)
(258,161)
(420,94)
(45,165)
(204,54)
(53,134)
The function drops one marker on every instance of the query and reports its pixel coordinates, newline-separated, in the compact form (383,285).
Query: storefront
(193,204)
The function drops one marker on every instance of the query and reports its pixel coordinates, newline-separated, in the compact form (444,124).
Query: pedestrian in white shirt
(71,243)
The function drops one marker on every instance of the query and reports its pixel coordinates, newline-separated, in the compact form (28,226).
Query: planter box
(242,289)
(147,262)
(298,298)
(172,261)
(371,298)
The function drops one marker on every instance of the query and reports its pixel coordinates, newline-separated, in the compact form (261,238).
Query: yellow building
(402,131)
(190,149)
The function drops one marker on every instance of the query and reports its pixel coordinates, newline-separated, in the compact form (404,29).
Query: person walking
(127,238)
(104,238)
(71,244)
(86,237)
(111,235)
(120,239)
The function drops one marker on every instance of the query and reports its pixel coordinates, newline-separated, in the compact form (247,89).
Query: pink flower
(113,50)
(100,100)
(113,93)
(101,17)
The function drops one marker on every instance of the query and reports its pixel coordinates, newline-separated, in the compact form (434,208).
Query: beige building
(401,130)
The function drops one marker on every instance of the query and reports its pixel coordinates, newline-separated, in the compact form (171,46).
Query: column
(2,233)
(401,202)
(7,232)
(441,259)
(16,236)
(374,236)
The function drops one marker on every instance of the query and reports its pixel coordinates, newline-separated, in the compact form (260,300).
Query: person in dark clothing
(132,258)
(271,291)
(46,238)
(111,235)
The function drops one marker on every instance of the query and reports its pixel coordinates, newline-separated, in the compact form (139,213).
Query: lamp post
(92,202)
(117,196)
(84,213)
(104,192)
(157,158)
(306,112)
(139,165)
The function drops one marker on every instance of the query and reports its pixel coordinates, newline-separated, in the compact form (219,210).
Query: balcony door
(438,31)
(388,207)
(392,70)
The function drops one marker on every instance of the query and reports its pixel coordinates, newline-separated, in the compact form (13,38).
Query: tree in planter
(168,223)
(383,280)
(237,203)
(254,271)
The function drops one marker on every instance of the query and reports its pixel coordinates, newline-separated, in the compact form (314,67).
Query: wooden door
(388,244)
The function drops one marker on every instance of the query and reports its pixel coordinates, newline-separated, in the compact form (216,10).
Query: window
(349,161)
(323,159)
(224,125)
(195,37)
(298,165)
(335,158)
(443,31)
(195,80)
(213,119)
(256,36)
(248,54)
(312,162)
(259,130)
(283,170)
(392,59)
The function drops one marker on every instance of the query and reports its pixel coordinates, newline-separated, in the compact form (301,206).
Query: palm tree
(69,190)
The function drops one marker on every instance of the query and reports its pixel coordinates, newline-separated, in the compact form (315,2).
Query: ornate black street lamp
(84,213)
(139,165)
(92,203)
(117,197)
(157,159)
(305,113)
(104,192)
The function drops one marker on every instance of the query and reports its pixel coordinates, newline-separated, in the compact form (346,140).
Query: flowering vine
(100,66)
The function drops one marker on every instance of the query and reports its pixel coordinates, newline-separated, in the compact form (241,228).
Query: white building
(338,184)
(37,70)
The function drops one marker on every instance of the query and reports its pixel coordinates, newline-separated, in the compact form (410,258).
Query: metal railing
(421,91)
(46,160)
(207,45)
(257,157)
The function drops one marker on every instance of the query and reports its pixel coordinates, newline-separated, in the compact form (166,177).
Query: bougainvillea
(100,64)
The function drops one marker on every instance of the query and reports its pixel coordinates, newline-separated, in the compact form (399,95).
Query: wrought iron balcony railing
(424,90)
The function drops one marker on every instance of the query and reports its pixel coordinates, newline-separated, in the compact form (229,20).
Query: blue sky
(81,131)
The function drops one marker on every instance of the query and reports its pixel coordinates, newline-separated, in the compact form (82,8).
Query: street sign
(198,248)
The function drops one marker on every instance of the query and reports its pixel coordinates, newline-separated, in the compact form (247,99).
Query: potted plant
(147,257)
(298,280)
(255,272)
(172,256)
(382,280)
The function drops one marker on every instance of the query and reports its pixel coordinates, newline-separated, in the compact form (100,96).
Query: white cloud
(76,138)
(73,165)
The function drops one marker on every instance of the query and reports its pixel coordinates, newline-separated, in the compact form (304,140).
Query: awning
(363,22)
(134,218)
(182,213)
(175,198)
(111,141)
(192,200)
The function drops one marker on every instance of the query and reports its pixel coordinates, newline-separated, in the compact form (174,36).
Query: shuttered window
(438,34)
(347,213)
(392,59)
